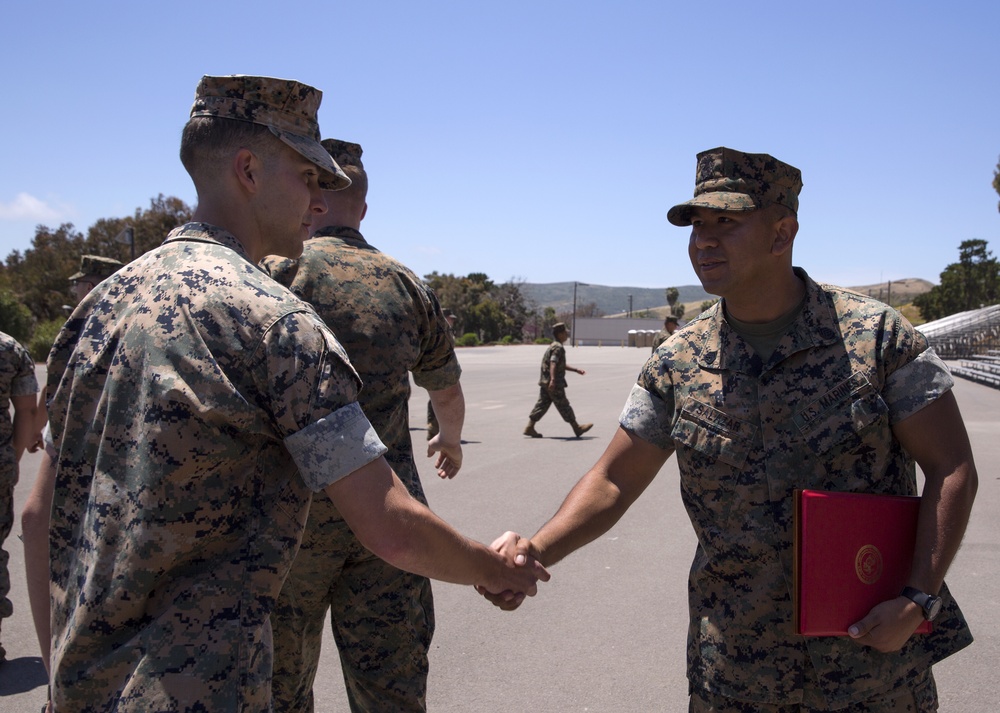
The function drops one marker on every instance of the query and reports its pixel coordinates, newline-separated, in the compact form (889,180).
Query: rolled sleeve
(24,382)
(916,385)
(648,417)
(334,446)
(440,378)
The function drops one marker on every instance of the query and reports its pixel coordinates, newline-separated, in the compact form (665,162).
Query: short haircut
(208,142)
(358,190)
(777,211)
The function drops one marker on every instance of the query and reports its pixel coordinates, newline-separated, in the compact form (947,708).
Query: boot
(529,430)
(580,430)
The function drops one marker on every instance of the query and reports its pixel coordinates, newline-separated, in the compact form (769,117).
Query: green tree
(39,276)
(15,318)
(488,321)
(459,294)
(515,306)
(43,338)
(971,283)
(483,308)
(677,310)
(149,228)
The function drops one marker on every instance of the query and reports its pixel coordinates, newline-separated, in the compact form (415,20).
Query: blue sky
(541,141)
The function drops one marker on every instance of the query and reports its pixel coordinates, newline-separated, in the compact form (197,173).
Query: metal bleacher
(973,339)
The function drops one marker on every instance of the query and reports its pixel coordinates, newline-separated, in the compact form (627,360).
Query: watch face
(933,608)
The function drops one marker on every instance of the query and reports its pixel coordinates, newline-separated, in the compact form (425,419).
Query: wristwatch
(928,602)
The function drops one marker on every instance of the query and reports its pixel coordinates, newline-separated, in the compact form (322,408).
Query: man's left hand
(888,625)
(449,456)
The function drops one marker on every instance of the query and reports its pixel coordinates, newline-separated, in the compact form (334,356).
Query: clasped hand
(518,551)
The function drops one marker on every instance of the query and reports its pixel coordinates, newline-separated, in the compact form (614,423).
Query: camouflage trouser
(546,398)
(919,696)
(8,479)
(382,620)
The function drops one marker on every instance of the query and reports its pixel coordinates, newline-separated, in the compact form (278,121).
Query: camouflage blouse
(197,404)
(389,322)
(818,414)
(555,354)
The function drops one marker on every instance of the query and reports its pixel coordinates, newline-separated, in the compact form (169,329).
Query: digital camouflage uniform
(818,414)
(556,353)
(660,337)
(197,405)
(17,378)
(391,325)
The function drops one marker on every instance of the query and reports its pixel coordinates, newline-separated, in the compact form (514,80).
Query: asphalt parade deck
(607,633)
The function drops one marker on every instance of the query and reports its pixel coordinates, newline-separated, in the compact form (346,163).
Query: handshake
(523,572)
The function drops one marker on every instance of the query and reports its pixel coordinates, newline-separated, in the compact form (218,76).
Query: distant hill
(610,300)
(897,292)
(615,300)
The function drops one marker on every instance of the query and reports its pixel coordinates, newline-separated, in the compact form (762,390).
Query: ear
(364,212)
(785,230)
(247,169)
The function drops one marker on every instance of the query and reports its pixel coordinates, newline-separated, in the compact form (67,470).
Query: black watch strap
(930,604)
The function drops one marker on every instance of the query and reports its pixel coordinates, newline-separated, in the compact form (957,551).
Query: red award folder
(852,551)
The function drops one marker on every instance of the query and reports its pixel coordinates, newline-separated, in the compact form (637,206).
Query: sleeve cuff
(439,379)
(916,385)
(334,446)
(647,418)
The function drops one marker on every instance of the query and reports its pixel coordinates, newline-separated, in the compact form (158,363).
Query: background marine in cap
(784,384)
(196,407)
(391,325)
(669,327)
(93,270)
(552,386)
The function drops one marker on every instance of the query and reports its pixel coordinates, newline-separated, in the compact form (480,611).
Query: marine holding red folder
(785,384)
(852,552)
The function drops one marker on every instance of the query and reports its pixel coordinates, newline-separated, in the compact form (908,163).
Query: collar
(205,233)
(349,235)
(722,348)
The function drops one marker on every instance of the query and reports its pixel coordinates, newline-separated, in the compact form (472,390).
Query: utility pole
(573,328)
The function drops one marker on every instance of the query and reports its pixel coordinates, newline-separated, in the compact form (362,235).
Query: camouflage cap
(727,179)
(344,152)
(288,108)
(97,267)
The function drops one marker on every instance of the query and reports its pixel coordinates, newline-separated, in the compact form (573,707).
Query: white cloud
(27,207)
